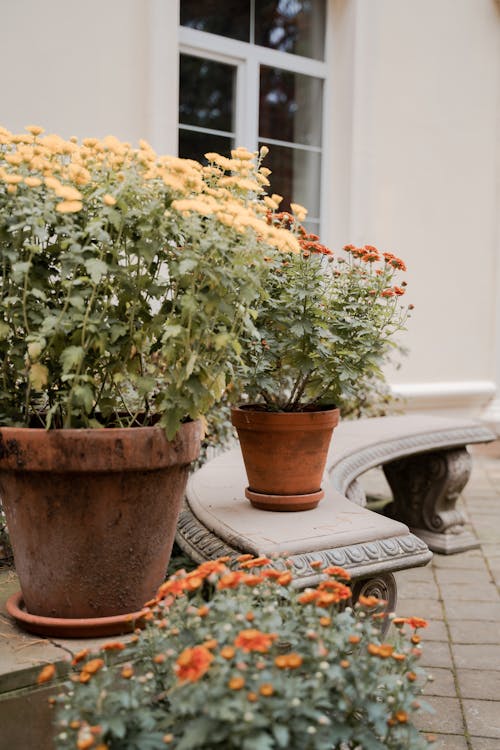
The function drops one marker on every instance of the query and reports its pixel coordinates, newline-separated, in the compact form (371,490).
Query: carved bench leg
(383,586)
(425,488)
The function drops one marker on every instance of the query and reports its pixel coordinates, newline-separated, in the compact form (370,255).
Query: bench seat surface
(216,497)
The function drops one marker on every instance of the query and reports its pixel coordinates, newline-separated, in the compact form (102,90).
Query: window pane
(225,17)
(206,93)
(295,174)
(291,26)
(193,145)
(290,106)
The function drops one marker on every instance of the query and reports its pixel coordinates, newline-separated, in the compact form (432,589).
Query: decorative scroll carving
(426,488)
(382,586)
(361,560)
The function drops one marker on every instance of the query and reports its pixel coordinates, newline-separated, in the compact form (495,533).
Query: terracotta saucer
(265,501)
(64,627)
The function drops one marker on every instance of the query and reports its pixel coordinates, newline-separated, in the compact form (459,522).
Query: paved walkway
(460,595)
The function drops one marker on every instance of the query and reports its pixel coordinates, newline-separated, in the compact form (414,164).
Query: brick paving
(460,595)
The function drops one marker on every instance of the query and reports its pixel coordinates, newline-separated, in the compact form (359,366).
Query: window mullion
(249,94)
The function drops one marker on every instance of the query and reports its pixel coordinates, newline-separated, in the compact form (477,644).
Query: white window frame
(247,59)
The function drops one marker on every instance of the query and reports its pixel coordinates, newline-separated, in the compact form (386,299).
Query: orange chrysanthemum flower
(257,562)
(254,640)
(288,661)
(93,666)
(266,689)
(370,601)
(211,566)
(113,646)
(236,683)
(80,656)
(417,622)
(253,580)
(335,570)
(192,581)
(193,663)
(47,674)
(308,596)
(227,652)
(231,580)
(174,587)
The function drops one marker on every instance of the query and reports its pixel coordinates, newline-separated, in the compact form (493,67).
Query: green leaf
(186,265)
(171,331)
(49,324)
(261,741)
(196,734)
(191,363)
(83,396)
(71,357)
(116,726)
(76,301)
(4,330)
(21,267)
(96,269)
(281,734)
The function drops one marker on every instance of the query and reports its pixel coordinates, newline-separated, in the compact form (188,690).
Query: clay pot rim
(263,409)
(77,431)
(253,416)
(99,450)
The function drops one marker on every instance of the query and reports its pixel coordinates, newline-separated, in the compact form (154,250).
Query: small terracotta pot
(92,515)
(284,454)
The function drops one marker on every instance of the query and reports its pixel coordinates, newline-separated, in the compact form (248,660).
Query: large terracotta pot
(92,517)
(284,454)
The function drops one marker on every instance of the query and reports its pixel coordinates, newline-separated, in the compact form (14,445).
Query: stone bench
(427,465)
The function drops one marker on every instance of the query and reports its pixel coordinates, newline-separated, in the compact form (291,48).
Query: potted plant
(325,325)
(234,657)
(126,282)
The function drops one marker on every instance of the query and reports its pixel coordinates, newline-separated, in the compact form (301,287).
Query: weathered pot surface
(92,515)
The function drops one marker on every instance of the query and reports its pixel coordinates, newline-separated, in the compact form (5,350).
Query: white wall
(83,68)
(413,119)
(417,110)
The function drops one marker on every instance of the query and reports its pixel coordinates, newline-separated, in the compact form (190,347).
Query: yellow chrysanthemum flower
(68,193)
(242,153)
(299,211)
(52,183)
(12,179)
(34,129)
(69,207)
(32,181)
(109,200)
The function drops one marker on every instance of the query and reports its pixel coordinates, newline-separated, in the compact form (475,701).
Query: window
(252,72)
